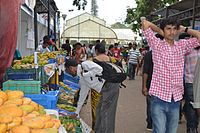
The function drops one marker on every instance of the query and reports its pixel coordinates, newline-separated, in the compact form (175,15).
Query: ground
(131,110)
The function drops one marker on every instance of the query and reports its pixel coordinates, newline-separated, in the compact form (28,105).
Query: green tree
(80,4)
(118,25)
(144,8)
(94,8)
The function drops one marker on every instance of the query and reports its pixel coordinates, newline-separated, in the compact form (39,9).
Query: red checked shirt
(167,78)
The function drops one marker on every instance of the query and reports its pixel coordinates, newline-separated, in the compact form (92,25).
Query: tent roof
(125,34)
(83,17)
(89,29)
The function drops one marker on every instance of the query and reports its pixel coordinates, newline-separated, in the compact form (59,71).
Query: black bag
(111,72)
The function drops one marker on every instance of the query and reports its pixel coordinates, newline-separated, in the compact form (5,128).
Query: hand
(198,112)
(145,91)
(182,28)
(142,19)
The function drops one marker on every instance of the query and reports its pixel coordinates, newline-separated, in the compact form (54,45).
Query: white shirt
(42,50)
(88,80)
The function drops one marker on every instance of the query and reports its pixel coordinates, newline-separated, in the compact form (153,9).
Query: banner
(9,14)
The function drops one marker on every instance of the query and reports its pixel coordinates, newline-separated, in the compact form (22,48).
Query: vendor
(71,66)
(43,48)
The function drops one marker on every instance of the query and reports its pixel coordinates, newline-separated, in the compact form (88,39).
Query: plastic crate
(26,74)
(20,74)
(51,60)
(48,100)
(28,87)
(72,84)
(71,78)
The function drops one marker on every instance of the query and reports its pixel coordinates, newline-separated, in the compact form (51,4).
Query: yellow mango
(3,95)
(3,128)
(12,111)
(35,105)
(14,101)
(27,108)
(48,124)
(15,94)
(26,100)
(34,123)
(5,118)
(20,129)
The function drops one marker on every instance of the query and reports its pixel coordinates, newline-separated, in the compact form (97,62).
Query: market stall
(28,87)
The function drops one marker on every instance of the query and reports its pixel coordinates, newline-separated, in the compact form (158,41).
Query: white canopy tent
(89,29)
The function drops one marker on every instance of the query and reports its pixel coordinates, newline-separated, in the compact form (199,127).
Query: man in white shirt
(88,71)
(44,47)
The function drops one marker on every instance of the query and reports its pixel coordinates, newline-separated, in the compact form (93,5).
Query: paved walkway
(131,110)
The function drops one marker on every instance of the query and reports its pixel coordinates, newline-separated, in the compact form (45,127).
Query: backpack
(111,72)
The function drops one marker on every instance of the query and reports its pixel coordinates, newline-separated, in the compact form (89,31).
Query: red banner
(9,14)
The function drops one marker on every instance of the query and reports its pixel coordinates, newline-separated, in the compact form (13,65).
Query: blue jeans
(131,70)
(165,115)
(190,112)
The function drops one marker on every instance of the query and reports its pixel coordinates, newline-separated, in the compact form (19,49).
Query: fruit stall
(27,103)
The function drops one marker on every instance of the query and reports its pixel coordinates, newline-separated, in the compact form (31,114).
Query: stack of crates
(26,74)
(28,87)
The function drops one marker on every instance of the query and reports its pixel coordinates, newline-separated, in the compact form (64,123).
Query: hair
(183,36)
(70,62)
(67,41)
(134,43)
(110,47)
(116,44)
(159,36)
(100,48)
(46,39)
(169,21)
(97,41)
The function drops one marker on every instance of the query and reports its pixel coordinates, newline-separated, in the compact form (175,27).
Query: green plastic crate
(28,87)
(36,74)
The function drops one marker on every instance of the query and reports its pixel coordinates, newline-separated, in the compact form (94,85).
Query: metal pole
(194,12)
(167,12)
(48,30)
(55,26)
(35,27)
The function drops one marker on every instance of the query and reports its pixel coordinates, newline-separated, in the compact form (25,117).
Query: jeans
(149,119)
(165,115)
(190,112)
(131,70)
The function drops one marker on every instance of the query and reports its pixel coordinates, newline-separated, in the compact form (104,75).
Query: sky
(111,11)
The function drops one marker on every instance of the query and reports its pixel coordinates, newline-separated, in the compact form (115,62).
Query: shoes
(192,130)
(149,127)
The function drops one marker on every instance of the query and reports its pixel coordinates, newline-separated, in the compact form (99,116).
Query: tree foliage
(94,8)
(118,25)
(144,8)
(80,4)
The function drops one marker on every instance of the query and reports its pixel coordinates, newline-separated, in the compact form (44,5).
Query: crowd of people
(167,65)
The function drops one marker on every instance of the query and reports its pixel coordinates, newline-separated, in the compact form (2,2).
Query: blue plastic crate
(71,78)
(20,74)
(72,84)
(48,100)
(51,61)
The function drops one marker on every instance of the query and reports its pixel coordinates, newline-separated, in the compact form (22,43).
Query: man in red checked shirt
(166,88)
